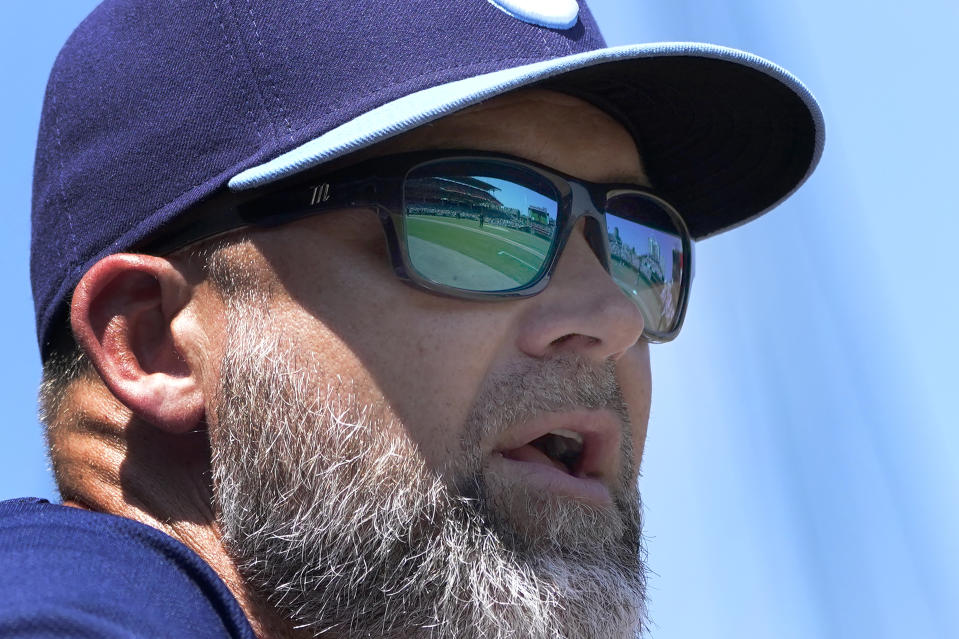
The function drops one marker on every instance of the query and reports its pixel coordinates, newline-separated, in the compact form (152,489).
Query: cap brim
(725,135)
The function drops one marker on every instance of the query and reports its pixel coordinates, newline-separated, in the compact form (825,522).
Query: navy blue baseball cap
(154,105)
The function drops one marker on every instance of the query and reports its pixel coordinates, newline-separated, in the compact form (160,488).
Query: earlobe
(122,315)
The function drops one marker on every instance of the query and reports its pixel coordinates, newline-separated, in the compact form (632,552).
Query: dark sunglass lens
(477,226)
(647,259)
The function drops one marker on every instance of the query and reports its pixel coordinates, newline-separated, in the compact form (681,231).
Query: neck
(133,470)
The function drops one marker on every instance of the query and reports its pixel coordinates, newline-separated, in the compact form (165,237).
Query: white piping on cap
(553,14)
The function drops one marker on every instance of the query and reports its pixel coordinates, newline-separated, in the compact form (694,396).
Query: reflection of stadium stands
(651,269)
(648,266)
(512,222)
(460,197)
(539,222)
(462,190)
(466,197)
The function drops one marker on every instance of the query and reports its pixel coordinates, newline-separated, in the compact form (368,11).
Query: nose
(581,310)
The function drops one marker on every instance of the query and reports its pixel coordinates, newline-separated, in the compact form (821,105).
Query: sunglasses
(486,226)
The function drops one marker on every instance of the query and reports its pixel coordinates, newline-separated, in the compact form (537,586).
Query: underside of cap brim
(724,134)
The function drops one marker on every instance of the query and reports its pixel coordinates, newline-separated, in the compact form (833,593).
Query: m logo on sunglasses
(320,193)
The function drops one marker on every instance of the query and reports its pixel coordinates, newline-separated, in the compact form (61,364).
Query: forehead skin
(423,358)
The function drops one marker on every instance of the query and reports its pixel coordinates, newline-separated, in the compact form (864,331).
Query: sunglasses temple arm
(309,199)
(271,209)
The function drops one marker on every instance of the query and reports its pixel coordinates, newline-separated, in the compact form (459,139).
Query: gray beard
(336,520)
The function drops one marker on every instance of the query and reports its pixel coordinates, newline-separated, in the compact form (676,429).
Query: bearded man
(345,312)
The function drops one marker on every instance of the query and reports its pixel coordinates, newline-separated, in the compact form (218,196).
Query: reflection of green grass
(647,295)
(487,245)
(628,277)
(534,242)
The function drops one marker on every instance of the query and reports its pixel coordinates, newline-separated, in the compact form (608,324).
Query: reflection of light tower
(654,249)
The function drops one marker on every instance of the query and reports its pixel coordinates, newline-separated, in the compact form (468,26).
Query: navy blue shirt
(66,572)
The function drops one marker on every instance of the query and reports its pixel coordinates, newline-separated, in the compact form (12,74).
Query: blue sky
(800,476)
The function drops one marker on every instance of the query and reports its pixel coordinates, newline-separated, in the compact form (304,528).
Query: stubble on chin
(536,521)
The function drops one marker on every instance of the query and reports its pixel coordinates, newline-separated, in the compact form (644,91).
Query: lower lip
(540,477)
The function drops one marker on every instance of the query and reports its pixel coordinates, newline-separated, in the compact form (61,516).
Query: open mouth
(573,454)
(561,448)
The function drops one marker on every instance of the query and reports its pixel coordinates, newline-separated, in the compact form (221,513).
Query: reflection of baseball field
(649,297)
(442,265)
(493,250)
(627,277)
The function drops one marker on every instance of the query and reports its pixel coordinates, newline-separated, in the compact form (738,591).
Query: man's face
(427,356)
(345,391)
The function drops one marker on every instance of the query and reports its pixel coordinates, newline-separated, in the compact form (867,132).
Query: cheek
(635,379)
(432,377)
(427,368)
(419,358)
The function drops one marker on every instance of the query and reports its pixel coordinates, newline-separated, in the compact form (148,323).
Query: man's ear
(122,316)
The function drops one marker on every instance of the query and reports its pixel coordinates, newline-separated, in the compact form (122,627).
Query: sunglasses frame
(378,184)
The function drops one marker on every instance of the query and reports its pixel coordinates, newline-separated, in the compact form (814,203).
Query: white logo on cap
(555,14)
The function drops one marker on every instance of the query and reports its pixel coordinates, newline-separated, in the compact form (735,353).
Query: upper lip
(600,429)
